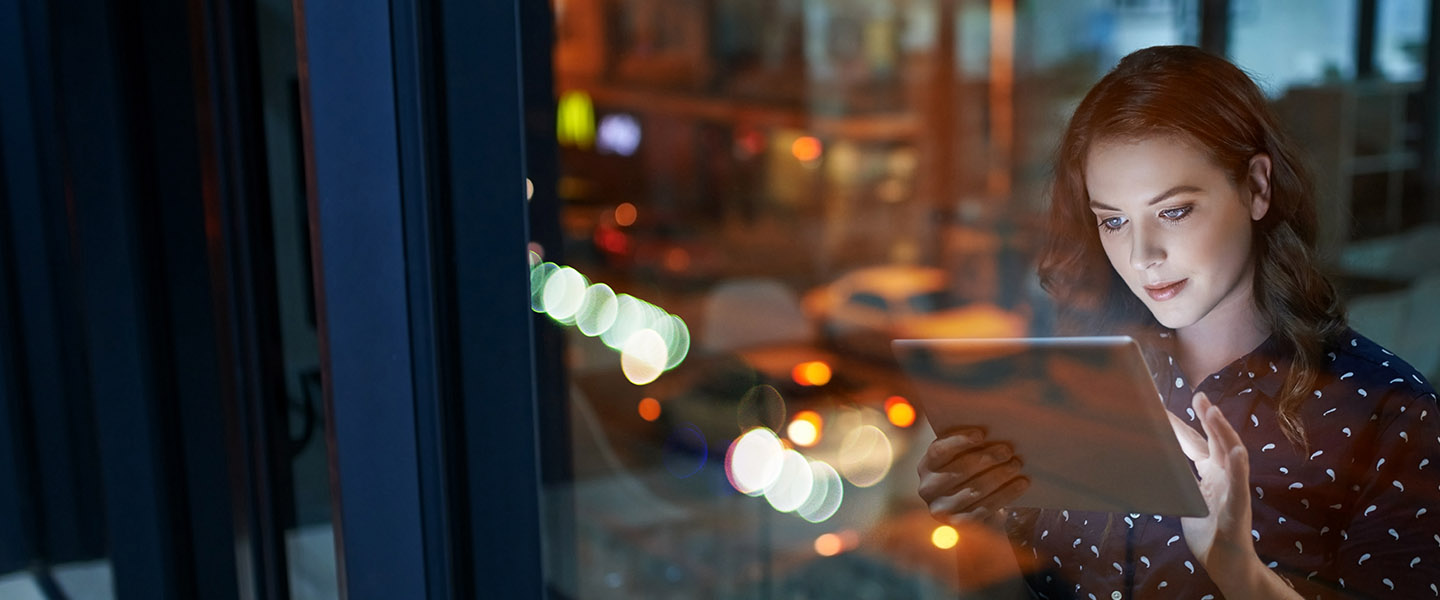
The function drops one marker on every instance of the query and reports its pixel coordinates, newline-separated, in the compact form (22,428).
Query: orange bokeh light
(649,409)
(944,537)
(806,148)
(811,373)
(625,214)
(677,260)
(829,544)
(806,428)
(899,411)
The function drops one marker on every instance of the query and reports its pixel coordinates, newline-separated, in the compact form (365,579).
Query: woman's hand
(1223,537)
(1221,540)
(965,480)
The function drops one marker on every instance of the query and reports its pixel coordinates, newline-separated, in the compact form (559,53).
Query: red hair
(1188,94)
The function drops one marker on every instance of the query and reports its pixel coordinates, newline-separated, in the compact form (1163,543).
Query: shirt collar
(1269,362)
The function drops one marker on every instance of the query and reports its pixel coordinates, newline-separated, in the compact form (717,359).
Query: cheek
(1223,244)
(1117,250)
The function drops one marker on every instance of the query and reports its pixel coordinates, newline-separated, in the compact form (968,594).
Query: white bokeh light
(629,318)
(792,487)
(539,276)
(564,293)
(826,495)
(642,359)
(678,341)
(753,461)
(866,456)
(597,312)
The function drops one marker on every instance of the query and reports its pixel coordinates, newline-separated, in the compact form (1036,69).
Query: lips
(1165,291)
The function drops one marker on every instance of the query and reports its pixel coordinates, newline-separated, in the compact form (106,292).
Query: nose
(1146,249)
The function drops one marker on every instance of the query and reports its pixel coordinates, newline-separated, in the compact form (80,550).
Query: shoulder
(1357,362)
(1362,386)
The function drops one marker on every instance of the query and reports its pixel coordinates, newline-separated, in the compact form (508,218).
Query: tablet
(1083,413)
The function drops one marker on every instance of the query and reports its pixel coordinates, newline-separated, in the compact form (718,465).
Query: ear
(1258,178)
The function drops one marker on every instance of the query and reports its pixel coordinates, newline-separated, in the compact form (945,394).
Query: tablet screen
(1083,413)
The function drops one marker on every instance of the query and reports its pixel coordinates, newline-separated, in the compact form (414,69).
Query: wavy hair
(1189,94)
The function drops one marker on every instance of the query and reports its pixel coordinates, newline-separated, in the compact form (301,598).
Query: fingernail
(1001,452)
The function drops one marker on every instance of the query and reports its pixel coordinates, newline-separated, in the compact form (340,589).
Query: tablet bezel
(1118,453)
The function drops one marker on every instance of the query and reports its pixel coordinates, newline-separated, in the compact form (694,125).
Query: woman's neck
(1204,348)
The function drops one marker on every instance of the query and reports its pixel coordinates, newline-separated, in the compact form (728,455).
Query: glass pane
(305,514)
(735,173)
(1291,42)
(1400,39)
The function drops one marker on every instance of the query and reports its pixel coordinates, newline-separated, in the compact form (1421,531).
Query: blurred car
(862,311)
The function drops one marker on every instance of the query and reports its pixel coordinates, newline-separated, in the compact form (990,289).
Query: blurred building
(268,328)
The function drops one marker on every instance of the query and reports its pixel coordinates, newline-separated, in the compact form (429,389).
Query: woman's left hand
(1221,540)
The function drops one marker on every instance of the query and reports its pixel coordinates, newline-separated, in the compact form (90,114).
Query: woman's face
(1177,229)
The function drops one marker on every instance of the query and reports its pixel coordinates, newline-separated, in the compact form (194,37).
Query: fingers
(1224,443)
(948,447)
(978,499)
(990,510)
(1215,445)
(962,470)
(1222,437)
(1191,442)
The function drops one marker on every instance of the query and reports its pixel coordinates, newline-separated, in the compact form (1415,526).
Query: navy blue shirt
(1357,515)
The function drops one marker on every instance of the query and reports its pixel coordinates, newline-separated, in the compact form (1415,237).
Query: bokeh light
(629,318)
(866,456)
(899,411)
(826,494)
(643,357)
(945,537)
(618,133)
(792,487)
(529,189)
(806,148)
(811,373)
(597,311)
(625,214)
(761,406)
(677,260)
(649,408)
(749,143)
(539,276)
(677,339)
(828,544)
(564,293)
(575,119)
(805,429)
(753,461)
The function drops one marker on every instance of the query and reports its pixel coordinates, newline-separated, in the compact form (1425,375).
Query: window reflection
(801,181)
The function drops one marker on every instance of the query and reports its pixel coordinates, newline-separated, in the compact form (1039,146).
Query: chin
(1173,319)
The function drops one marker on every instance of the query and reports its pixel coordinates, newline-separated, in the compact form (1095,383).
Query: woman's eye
(1112,223)
(1175,214)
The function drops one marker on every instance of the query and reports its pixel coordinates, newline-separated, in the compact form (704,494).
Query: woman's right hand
(965,479)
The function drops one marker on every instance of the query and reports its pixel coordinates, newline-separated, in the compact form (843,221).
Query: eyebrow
(1174,191)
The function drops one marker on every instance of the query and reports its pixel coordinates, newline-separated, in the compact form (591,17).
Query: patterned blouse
(1358,515)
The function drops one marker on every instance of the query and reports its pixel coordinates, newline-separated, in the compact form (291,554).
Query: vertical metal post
(1365,23)
(1215,26)
(486,180)
(353,173)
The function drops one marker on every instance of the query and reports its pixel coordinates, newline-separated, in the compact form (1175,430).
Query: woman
(1181,216)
